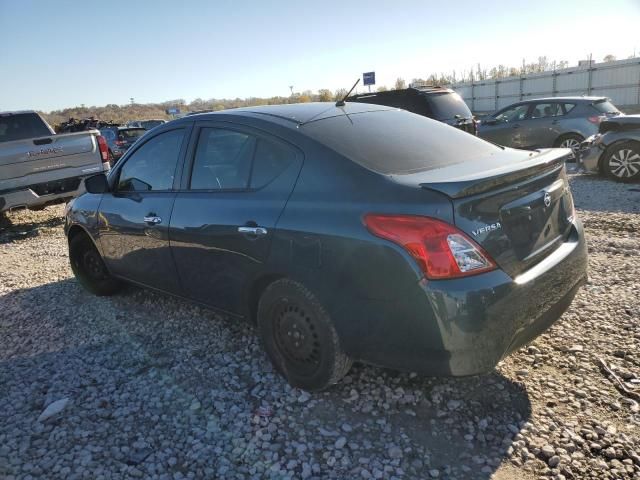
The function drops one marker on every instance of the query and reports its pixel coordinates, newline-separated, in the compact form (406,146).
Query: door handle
(257,231)
(152,220)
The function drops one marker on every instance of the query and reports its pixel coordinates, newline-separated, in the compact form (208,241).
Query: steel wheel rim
(92,265)
(296,337)
(624,163)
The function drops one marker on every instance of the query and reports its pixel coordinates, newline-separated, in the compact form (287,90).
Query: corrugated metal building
(618,80)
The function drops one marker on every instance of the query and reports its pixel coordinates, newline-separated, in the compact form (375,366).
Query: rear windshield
(132,133)
(605,106)
(397,141)
(446,106)
(22,125)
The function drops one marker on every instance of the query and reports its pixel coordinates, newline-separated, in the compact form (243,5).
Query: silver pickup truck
(38,167)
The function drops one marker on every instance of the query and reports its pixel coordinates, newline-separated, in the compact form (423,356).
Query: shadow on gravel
(156,385)
(11,232)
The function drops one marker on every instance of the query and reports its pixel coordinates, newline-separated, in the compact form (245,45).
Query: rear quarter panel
(321,240)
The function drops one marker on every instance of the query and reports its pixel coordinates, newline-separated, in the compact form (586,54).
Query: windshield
(22,125)
(605,106)
(397,141)
(447,105)
(131,134)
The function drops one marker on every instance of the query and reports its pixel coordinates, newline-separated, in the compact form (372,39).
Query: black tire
(89,268)
(621,162)
(569,140)
(299,337)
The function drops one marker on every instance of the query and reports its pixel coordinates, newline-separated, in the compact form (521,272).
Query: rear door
(542,126)
(134,218)
(235,186)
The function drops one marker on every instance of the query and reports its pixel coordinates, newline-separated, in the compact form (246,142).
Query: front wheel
(89,268)
(299,337)
(622,162)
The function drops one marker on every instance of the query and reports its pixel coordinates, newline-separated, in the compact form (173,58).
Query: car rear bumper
(466,326)
(41,194)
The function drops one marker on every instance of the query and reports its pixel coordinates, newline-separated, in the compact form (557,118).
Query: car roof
(564,99)
(295,113)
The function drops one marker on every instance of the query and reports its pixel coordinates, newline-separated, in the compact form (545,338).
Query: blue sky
(64,53)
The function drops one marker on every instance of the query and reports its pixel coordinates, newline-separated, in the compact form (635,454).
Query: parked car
(614,150)
(347,233)
(547,122)
(120,139)
(146,124)
(38,167)
(435,102)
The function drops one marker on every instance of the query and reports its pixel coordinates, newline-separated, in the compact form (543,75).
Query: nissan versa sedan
(547,122)
(352,233)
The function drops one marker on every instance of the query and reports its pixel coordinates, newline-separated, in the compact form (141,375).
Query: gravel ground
(141,385)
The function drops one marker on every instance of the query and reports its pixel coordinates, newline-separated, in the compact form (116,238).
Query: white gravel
(146,386)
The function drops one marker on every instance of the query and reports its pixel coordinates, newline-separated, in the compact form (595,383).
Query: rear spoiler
(546,161)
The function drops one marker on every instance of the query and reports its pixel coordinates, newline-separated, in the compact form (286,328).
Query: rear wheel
(299,337)
(622,162)
(570,140)
(89,268)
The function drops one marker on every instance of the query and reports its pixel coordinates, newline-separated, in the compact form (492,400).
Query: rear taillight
(596,119)
(104,149)
(440,249)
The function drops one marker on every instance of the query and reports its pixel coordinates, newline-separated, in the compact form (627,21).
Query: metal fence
(618,80)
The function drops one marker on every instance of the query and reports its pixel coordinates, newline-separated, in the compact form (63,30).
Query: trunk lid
(516,205)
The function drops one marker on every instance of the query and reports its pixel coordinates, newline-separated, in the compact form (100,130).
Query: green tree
(382,88)
(325,95)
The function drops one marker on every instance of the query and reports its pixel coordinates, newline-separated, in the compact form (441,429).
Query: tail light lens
(596,119)
(104,149)
(440,249)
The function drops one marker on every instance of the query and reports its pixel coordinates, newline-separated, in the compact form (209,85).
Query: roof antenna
(341,103)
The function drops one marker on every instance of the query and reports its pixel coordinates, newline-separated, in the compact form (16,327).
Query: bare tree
(609,58)
(400,83)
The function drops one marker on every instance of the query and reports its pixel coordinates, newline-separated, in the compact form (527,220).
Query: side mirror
(96,183)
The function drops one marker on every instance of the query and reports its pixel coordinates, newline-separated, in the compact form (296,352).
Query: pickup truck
(38,167)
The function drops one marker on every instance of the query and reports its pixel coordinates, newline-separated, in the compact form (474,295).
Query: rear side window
(222,160)
(270,160)
(131,134)
(544,110)
(22,125)
(397,142)
(568,107)
(445,106)
(605,106)
(153,165)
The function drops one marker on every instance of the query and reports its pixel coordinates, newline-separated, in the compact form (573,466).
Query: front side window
(222,160)
(153,165)
(544,110)
(513,114)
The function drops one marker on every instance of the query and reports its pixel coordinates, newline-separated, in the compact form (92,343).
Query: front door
(235,187)
(506,127)
(134,218)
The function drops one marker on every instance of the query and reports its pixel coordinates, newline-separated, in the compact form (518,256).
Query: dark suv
(435,102)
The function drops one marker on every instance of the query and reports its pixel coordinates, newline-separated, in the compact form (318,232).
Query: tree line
(137,111)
